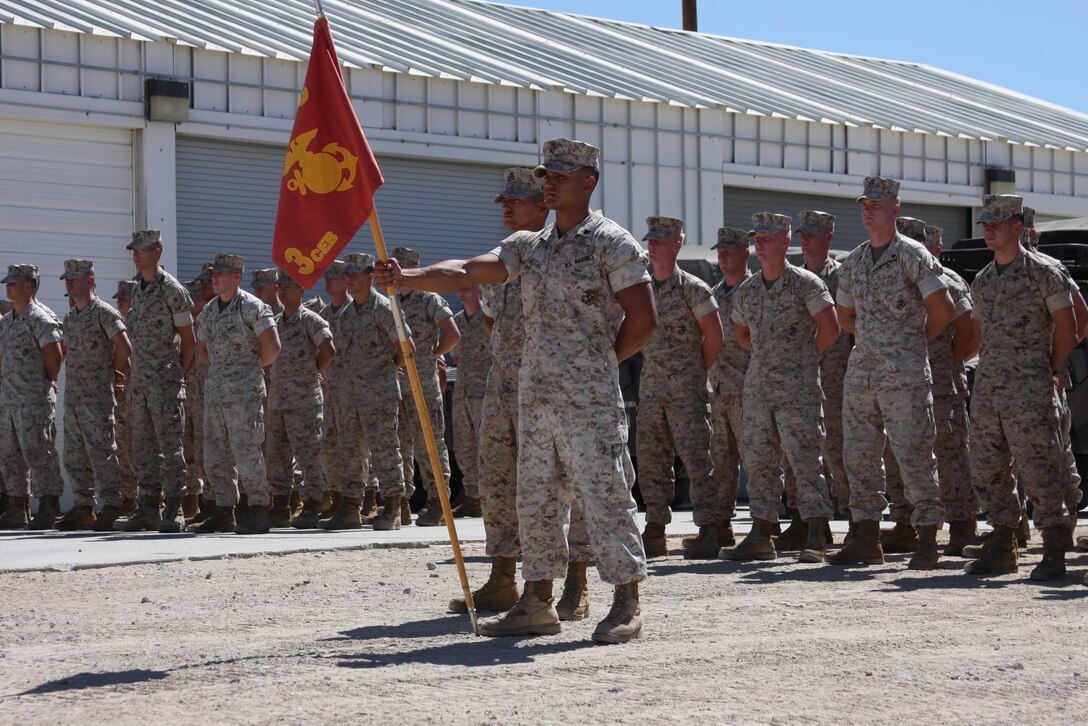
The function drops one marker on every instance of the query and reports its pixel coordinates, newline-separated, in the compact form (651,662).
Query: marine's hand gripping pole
(425,425)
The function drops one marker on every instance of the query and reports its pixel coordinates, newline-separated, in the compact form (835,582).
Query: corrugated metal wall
(740,204)
(227,194)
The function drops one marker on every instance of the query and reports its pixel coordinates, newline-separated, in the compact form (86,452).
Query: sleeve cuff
(706,308)
(52,336)
(842,297)
(628,275)
(818,303)
(183,319)
(1059,300)
(510,260)
(931,284)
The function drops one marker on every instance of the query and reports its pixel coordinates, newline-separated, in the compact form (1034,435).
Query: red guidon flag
(329,176)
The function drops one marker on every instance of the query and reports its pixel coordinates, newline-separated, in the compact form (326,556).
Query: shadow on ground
(472,652)
(82,681)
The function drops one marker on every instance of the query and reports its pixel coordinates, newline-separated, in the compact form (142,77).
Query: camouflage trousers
(1072,500)
(28,441)
(90,454)
(499,481)
(903,416)
(130,483)
(1026,428)
(294,432)
(333,466)
(834,468)
(467,414)
(413,446)
(233,435)
(369,430)
(797,430)
(194,441)
(725,452)
(667,426)
(571,452)
(156,426)
(953,465)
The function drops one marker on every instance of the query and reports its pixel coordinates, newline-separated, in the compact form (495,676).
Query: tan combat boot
(309,517)
(16,515)
(706,544)
(190,505)
(960,534)
(172,518)
(624,620)
(369,510)
(48,511)
(105,519)
(534,614)
(1053,565)
(147,517)
(795,537)
(405,511)
(470,507)
(389,519)
(653,540)
(925,558)
(996,556)
(864,549)
(221,520)
(207,506)
(279,513)
(816,547)
(1023,532)
(498,594)
(79,517)
(329,503)
(574,604)
(726,538)
(129,506)
(758,545)
(1082,542)
(431,516)
(900,539)
(345,516)
(256,521)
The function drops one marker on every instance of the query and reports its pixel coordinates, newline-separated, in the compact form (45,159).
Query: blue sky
(1036,48)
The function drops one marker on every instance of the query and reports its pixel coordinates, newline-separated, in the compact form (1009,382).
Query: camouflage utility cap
(878,189)
(336,269)
(405,256)
(770,223)
(145,239)
(731,238)
(265,277)
(315,304)
(17,273)
(1028,230)
(999,207)
(911,227)
(226,262)
(205,273)
(75,269)
(520,183)
(193,288)
(813,221)
(360,262)
(934,235)
(285,279)
(662,227)
(124,289)
(563,156)
(1029,217)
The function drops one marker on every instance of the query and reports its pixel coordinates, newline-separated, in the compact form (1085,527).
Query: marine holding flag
(330,174)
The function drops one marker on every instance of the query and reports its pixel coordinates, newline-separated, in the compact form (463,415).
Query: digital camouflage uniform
(887,392)
(423,312)
(333,465)
(156,419)
(130,482)
(27,401)
(473,353)
(950,415)
(572,426)
(782,396)
(90,451)
(1014,404)
(294,408)
(367,394)
(674,404)
(726,394)
(234,395)
(195,478)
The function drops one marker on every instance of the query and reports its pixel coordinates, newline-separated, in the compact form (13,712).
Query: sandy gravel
(363,637)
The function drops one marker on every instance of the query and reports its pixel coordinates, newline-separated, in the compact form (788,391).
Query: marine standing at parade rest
(97,364)
(589,305)
(293,412)
(336,286)
(31,354)
(1028,326)
(786,317)
(428,316)
(160,327)
(473,358)
(893,299)
(237,339)
(130,486)
(196,482)
(673,407)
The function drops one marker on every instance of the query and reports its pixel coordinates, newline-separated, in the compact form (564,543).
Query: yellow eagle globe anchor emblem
(332,169)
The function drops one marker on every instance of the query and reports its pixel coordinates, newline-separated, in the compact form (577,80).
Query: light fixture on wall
(1000,180)
(166,100)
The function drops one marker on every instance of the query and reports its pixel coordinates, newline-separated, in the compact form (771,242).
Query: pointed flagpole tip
(320,10)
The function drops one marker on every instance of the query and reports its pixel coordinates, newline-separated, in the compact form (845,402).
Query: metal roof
(484,42)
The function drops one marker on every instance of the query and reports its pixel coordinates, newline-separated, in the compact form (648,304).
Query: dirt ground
(363,637)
